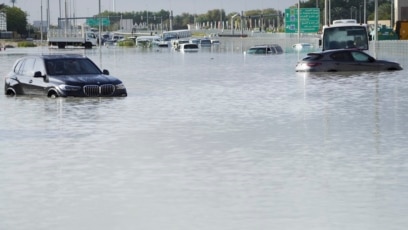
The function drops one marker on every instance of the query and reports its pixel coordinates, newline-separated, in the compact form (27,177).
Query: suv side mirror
(38,74)
(105,72)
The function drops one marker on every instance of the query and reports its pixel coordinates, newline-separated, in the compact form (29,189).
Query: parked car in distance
(205,42)
(343,60)
(61,75)
(302,47)
(189,47)
(265,49)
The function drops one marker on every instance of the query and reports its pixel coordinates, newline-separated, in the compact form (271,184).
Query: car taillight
(313,64)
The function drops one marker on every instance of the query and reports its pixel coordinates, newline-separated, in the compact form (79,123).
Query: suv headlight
(120,86)
(69,87)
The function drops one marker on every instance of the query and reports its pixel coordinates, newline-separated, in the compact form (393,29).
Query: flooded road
(210,140)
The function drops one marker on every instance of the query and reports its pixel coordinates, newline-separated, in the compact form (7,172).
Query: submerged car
(62,75)
(265,49)
(343,60)
(188,47)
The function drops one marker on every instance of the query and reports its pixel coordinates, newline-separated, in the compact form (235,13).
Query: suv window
(360,56)
(27,68)
(71,66)
(17,68)
(342,56)
(279,49)
(273,50)
(39,66)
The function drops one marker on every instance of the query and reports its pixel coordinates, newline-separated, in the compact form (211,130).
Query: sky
(88,8)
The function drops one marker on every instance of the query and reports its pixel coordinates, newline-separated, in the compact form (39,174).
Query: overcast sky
(87,8)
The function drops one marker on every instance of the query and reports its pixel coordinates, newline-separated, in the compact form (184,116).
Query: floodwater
(210,140)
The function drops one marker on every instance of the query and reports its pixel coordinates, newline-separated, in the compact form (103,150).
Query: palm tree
(13,1)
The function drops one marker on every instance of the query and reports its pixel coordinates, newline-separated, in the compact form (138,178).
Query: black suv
(62,75)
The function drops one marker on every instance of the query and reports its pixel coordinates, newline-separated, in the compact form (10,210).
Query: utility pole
(392,14)
(298,20)
(41,24)
(48,16)
(171,20)
(325,12)
(100,25)
(365,12)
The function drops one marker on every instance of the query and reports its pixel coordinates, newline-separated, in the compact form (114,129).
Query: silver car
(343,60)
(265,49)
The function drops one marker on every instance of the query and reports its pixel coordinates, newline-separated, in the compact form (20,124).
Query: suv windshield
(257,50)
(345,37)
(71,66)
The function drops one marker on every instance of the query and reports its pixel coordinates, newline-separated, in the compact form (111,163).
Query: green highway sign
(309,20)
(95,21)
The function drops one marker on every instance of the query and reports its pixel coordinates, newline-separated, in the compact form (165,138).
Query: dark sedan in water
(343,60)
(265,49)
(62,75)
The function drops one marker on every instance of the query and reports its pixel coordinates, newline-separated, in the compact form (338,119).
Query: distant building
(3,21)
(37,25)
(126,25)
(401,10)
(4,34)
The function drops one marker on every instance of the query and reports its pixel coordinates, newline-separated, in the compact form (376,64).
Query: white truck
(71,37)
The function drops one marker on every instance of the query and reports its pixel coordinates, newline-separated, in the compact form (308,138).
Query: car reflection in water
(62,75)
(343,60)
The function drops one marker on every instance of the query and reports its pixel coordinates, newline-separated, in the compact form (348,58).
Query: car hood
(88,79)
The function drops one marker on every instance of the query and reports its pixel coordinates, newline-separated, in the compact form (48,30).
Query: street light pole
(375,27)
(232,23)
(326,11)
(392,15)
(298,21)
(100,25)
(48,16)
(41,24)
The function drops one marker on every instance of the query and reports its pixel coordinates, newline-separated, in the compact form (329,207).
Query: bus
(345,34)
(176,34)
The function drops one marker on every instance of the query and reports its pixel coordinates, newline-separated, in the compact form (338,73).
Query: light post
(392,15)
(41,24)
(298,26)
(365,11)
(100,26)
(351,11)
(359,14)
(325,12)
(232,23)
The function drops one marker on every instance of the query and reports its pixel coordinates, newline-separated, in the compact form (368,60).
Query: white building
(3,21)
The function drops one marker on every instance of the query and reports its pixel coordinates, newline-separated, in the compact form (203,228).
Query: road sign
(309,20)
(95,21)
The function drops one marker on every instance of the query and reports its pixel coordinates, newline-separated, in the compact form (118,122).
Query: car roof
(267,45)
(57,56)
(62,56)
(334,51)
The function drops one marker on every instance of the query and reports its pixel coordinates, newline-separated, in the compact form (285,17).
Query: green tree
(384,12)
(16,20)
